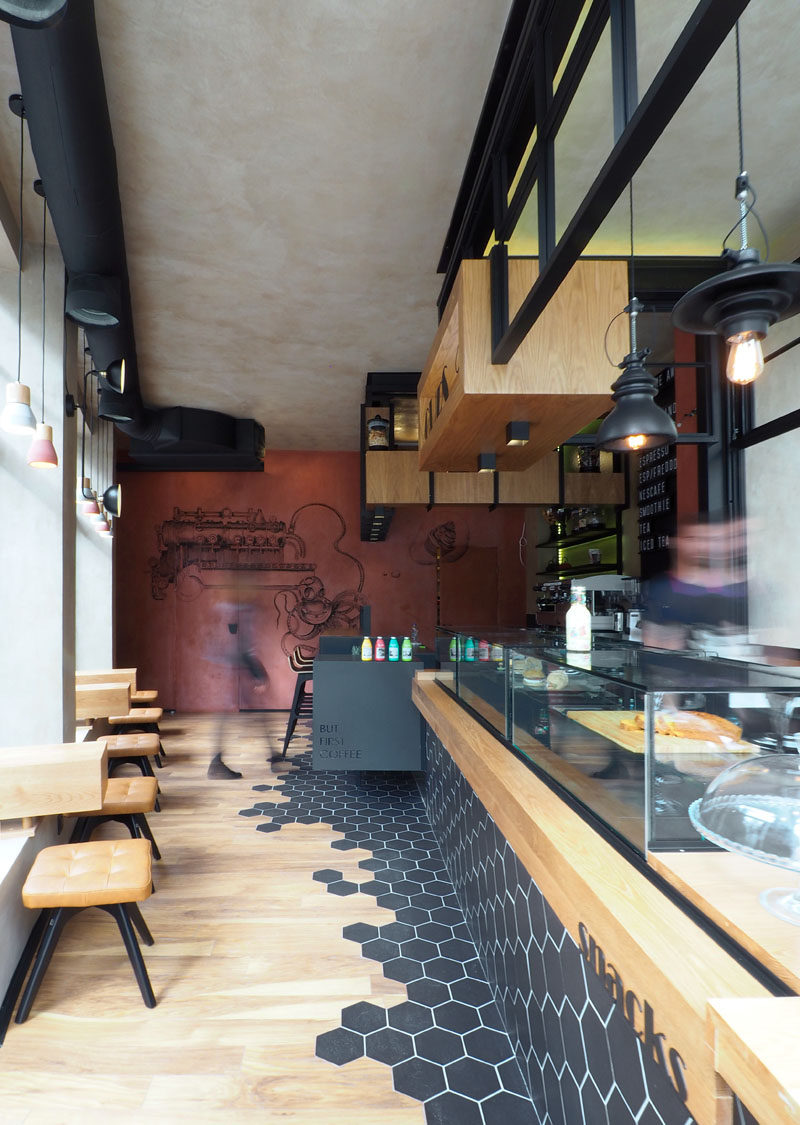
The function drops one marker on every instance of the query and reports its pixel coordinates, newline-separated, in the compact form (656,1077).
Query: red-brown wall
(179,639)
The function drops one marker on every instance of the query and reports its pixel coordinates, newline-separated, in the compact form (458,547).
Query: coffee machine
(609,598)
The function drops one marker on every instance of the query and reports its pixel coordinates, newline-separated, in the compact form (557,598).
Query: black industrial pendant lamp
(741,304)
(637,422)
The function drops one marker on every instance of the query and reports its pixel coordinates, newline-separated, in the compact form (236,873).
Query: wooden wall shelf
(44,780)
(98,701)
(536,485)
(594,488)
(558,380)
(393,477)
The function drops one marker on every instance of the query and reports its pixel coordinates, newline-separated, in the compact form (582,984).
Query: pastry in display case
(634,735)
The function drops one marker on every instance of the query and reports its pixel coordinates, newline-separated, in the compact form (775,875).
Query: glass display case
(634,735)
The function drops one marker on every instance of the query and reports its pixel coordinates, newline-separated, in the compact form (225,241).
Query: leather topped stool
(113,875)
(126,800)
(145,698)
(135,749)
(144,719)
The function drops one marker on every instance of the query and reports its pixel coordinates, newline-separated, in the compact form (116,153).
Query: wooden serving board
(607,723)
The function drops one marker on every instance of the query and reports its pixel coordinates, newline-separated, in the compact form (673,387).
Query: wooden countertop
(726,887)
(43,780)
(756,1052)
(665,958)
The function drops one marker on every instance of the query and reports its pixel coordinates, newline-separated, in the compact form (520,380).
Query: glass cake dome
(753,808)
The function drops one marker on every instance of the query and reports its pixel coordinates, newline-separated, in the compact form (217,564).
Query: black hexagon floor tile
(389,1045)
(410,1017)
(340,1046)
(364,1017)
(427,946)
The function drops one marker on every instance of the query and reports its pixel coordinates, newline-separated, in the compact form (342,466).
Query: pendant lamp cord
(742,196)
(19,247)
(633,308)
(44,282)
(633,303)
(83,421)
(745,192)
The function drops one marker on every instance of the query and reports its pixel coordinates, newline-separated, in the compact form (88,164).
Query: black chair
(302,702)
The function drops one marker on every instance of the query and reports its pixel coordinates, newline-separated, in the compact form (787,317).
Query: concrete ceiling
(287,173)
(287,178)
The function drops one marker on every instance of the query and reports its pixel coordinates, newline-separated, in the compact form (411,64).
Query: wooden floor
(249,966)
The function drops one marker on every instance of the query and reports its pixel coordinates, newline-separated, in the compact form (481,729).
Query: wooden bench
(139,697)
(99,700)
(45,780)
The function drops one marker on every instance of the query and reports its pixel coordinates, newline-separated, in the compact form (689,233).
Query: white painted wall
(772,471)
(37,567)
(37,518)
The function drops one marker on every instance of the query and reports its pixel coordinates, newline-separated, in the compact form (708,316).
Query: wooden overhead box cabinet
(558,380)
(393,477)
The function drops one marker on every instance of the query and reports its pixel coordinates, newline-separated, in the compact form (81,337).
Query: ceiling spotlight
(113,378)
(93,301)
(518,433)
(487,462)
(112,500)
(115,407)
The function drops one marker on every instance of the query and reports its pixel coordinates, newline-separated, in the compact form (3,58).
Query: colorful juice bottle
(394,649)
(366,649)
(380,648)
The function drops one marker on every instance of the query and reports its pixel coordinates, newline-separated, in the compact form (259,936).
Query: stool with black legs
(114,875)
(302,701)
(126,800)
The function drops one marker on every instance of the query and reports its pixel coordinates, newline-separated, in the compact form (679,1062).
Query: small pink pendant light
(42,453)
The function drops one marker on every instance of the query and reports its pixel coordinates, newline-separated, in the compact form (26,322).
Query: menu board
(657,492)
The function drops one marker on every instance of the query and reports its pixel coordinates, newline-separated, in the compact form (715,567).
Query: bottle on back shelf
(406,649)
(469,649)
(579,622)
(366,649)
(453,648)
(380,648)
(394,649)
(483,650)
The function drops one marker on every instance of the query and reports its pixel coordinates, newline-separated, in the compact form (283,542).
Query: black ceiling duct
(63,90)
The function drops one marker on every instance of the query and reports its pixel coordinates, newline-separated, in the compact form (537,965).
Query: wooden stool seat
(134,749)
(138,717)
(123,745)
(89,874)
(129,794)
(111,874)
(144,698)
(126,800)
(146,719)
